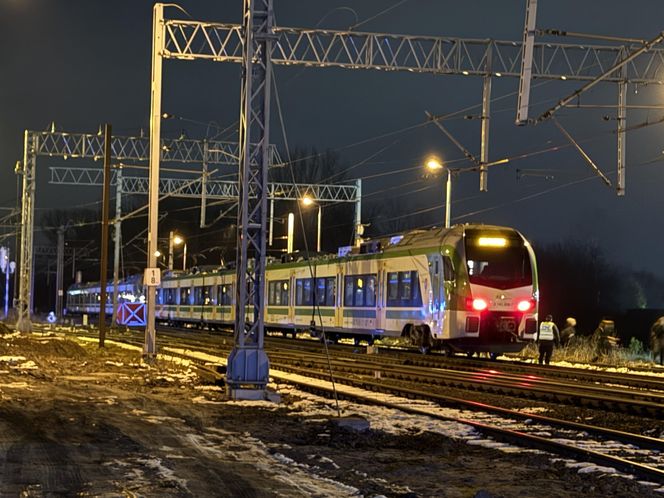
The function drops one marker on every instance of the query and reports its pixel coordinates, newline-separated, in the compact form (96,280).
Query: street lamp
(176,240)
(307,200)
(433,164)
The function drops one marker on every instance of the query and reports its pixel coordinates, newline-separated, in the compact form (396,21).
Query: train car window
(448,269)
(325,291)
(360,291)
(404,289)
(330,291)
(277,293)
(499,260)
(170,296)
(370,292)
(224,295)
(304,295)
(284,292)
(320,291)
(358,297)
(406,286)
(348,291)
(185,296)
(415,295)
(198,296)
(392,288)
(208,295)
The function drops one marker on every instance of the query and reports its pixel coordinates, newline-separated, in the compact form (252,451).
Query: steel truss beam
(91,146)
(214,189)
(424,54)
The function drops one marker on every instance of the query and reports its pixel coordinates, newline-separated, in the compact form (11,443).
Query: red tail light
(477,304)
(525,305)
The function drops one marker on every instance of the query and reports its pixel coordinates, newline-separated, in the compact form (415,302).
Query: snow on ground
(600,368)
(388,419)
(243,448)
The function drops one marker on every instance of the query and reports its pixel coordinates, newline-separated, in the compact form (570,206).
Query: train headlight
(524,305)
(477,304)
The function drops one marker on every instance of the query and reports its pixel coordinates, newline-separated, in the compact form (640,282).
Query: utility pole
(204,178)
(117,242)
(104,234)
(23,323)
(359,229)
(171,242)
(149,346)
(60,270)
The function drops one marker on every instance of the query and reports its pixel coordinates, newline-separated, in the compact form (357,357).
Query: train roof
(407,241)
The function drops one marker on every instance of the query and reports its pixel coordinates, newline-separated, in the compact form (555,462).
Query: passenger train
(469,288)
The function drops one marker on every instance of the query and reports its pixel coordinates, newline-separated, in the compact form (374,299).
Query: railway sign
(152,277)
(131,314)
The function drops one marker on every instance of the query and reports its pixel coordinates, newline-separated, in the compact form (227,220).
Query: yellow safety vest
(546,331)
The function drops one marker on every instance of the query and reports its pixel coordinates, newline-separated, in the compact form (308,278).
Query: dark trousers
(545,351)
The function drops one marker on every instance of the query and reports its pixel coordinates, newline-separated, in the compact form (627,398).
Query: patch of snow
(208,388)
(11,359)
(114,363)
(533,409)
(16,385)
(28,365)
(202,400)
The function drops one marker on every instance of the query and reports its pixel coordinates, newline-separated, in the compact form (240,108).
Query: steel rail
(601,397)
(501,434)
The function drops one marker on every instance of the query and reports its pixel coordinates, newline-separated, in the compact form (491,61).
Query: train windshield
(497,259)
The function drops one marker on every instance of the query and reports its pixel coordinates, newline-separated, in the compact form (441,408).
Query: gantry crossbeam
(88,145)
(215,189)
(424,54)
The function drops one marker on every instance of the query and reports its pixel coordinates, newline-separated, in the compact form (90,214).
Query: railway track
(641,456)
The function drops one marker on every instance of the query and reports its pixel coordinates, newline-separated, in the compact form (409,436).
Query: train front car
(496,290)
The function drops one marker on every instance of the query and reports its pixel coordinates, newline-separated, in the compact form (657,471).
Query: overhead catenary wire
(306,247)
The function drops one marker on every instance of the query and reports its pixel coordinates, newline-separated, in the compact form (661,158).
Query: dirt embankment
(79,420)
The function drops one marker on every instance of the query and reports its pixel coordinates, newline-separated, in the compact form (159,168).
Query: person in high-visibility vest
(547,335)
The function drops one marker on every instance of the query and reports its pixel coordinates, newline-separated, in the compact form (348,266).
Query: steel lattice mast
(248,365)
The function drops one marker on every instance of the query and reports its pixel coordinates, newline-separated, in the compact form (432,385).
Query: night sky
(82,63)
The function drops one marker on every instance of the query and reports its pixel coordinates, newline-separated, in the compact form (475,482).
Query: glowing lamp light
(177,240)
(492,242)
(307,200)
(524,305)
(479,304)
(434,164)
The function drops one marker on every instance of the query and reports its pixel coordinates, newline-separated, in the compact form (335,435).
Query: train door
(338,297)
(291,297)
(449,298)
(437,294)
(380,296)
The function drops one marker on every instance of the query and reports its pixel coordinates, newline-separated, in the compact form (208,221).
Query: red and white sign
(131,314)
